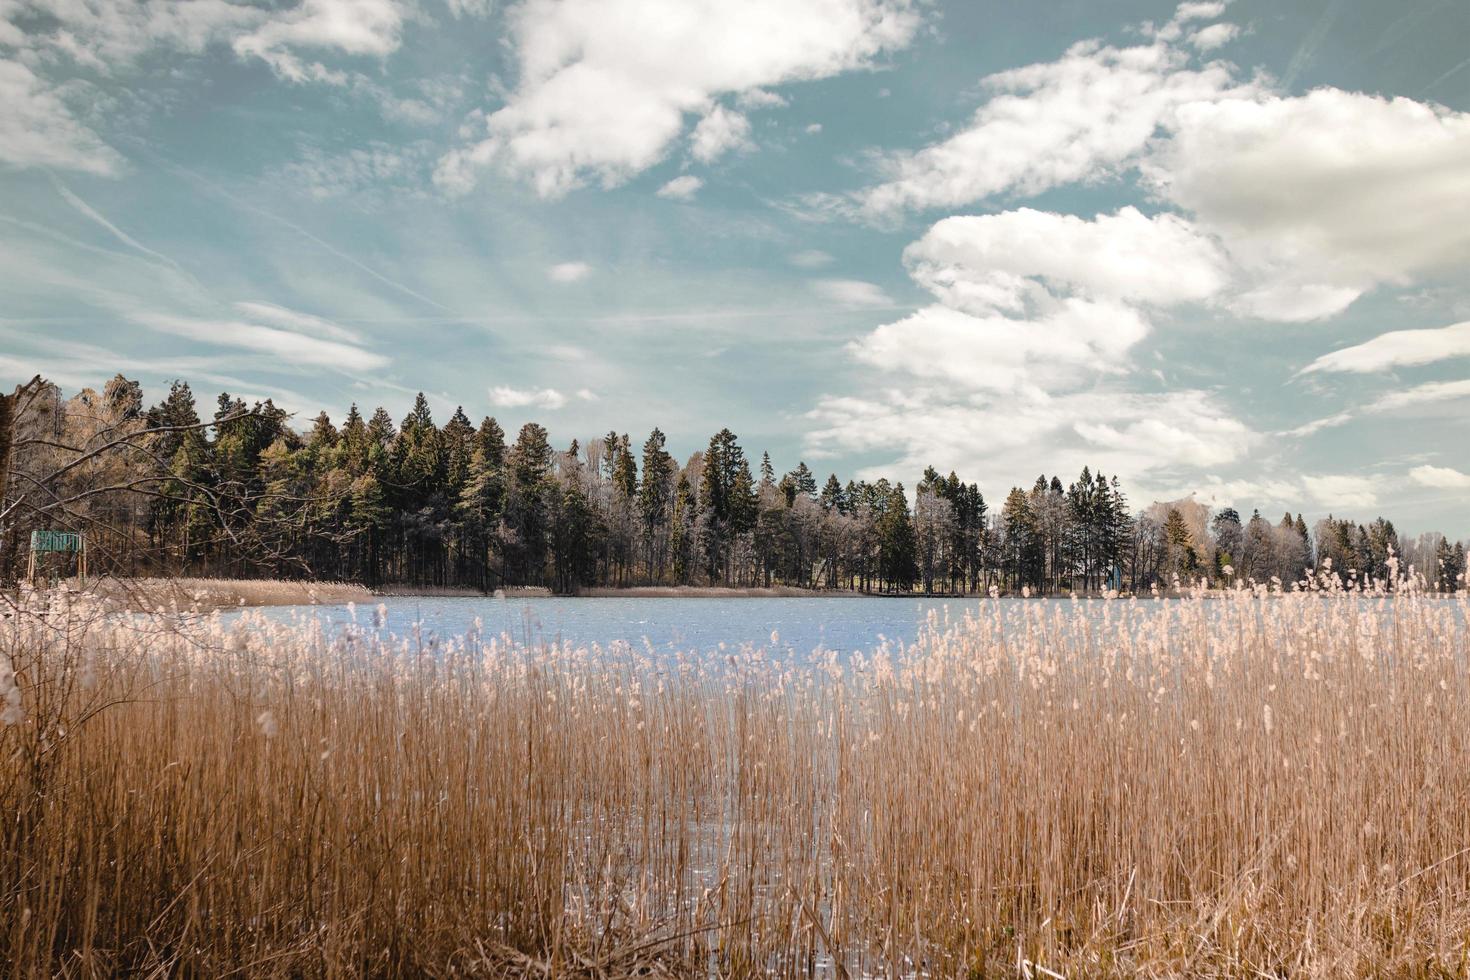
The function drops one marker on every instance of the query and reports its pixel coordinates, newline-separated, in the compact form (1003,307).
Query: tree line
(240,492)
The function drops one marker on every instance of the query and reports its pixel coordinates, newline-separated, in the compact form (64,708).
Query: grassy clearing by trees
(1235,788)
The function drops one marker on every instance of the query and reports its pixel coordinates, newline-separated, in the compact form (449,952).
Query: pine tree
(897,544)
(323,434)
(529,464)
(654,493)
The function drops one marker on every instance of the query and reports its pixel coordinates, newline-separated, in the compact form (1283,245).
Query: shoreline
(206,595)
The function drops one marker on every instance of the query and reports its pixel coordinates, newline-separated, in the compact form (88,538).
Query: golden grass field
(1259,786)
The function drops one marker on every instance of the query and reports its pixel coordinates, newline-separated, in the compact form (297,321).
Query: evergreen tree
(655,498)
(897,544)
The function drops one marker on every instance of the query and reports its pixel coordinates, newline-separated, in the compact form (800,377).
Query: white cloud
(112,37)
(470,8)
(1420,395)
(1031,298)
(759,98)
(1398,348)
(304,323)
(995,439)
(1015,260)
(1440,477)
(569,272)
(681,188)
(374,164)
(1317,199)
(1339,491)
(1432,398)
(1082,117)
(354,27)
(294,343)
(851,292)
(811,258)
(1214,36)
(719,132)
(587,395)
(1323,197)
(813,128)
(1076,339)
(106,36)
(1032,306)
(1243,494)
(605,85)
(37,129)
(507,397)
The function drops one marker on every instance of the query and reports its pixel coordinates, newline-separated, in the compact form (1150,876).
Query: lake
(702,625)
(802,624)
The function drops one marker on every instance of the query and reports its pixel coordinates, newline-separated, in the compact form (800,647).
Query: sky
(1214,248)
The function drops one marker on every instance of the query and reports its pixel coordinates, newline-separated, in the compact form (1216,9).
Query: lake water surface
(701,625)
(803,624)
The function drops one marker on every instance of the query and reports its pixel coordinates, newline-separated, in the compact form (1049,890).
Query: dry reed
(1270,785)
(150,594)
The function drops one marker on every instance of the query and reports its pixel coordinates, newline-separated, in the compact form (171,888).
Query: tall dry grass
(153,594)
(1260,786)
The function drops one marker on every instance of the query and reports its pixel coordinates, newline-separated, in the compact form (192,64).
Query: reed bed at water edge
(1264,785)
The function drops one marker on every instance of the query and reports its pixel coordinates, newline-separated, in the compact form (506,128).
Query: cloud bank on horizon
(1212,247)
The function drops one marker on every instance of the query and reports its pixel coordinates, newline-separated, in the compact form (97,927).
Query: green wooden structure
(59,542)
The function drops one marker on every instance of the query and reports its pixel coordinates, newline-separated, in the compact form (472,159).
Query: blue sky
(1215,248)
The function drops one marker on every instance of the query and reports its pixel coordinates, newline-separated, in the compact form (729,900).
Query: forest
(240,491)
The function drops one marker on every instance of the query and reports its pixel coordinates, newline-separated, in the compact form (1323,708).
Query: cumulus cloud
(1014,260)
(681,188)
(569,272)
(851,292)
(606,85)
(293,339)
(1032,306)
(995,439)
(1321,198)
(1080,118)
(998,353)
(1338,491)
(1398,348)
(1029,297)
(1317,199)
(1440,477)
(37,129)
(549,398)
(1214,36)
(719,132)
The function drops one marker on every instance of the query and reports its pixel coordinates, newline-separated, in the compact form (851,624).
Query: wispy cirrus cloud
(38,128)
(295,340)
(1397,348)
